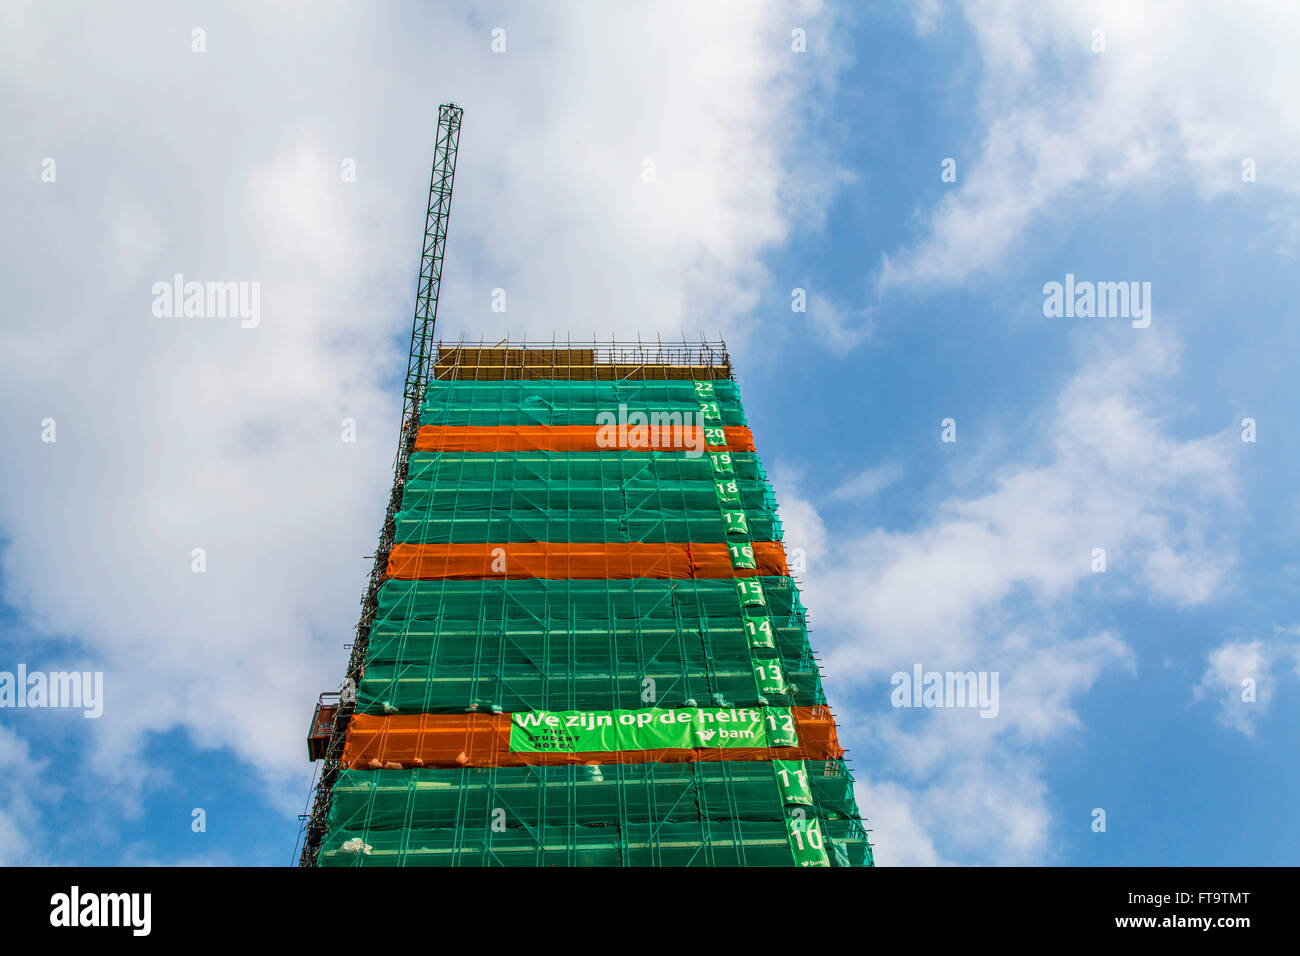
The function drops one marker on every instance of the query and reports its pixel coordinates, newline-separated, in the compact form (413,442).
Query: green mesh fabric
(479,521)
(443,646)
(599,467)
(452,646)
(547,402)
(576,497)
(519,605)
(555,681)
(702,814)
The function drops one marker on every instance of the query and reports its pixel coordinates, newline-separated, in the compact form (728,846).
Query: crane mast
(435,240)
(332,717)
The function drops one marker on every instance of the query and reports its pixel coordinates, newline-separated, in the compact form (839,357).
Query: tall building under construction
(581,644)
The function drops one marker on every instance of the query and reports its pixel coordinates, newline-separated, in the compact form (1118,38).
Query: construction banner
(485,740)
(508,438)
(806,840)
(593,731)
(792,780)
(564,559)
(569,531)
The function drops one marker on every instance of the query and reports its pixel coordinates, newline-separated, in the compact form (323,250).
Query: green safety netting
(578,497)
(478,521)
(445,646)
(736,843)
(530,796)
(694,497)
(616,466)
(446,687)
(524,605)
(442,646)
(549,402)
(718,814)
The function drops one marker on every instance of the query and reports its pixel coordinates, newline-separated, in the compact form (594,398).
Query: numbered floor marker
(751,593)
(779,724)
(735,522)
(792,781)
(728,492)
(769,677)
(742,556)
(806,840)
(758,628)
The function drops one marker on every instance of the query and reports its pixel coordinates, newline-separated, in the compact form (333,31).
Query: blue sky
(775,171)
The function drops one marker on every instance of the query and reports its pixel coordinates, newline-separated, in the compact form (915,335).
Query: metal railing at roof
(571,358)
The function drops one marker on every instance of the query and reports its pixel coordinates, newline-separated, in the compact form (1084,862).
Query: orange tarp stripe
(499,438)
(483,740)
(557,560)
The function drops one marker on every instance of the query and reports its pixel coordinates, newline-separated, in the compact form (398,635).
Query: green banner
(792,779)
(769,677)
(589,731)
(742,556)
(751,593)
(758,627)
(735,522)
(806,839)
(728,491)
(780,727)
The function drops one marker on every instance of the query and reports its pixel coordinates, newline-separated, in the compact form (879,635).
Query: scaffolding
(445,646)
(614,360)
(580,643)
(459,650)
(656,814)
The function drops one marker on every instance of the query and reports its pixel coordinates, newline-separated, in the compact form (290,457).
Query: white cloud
(1231,667)
(182,433)
(23,791)
(987,583)
(1182,94)
(869,482)
(840,328)
(1239,678)
(715,87)
(900,839)
(1113,479)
